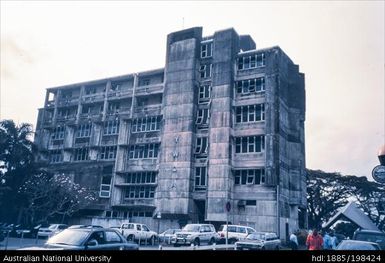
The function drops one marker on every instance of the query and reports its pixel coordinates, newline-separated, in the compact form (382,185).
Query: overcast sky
(338,45)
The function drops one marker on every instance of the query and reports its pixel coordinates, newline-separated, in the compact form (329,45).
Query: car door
(139,232)
(99,237)
(113,241)
(146,232)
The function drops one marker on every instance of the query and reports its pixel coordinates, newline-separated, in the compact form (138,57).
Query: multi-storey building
(222,122)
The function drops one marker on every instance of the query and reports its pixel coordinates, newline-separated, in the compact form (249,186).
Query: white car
(259,241)
(167,235)
(52,230)
(138,232)
(196,234)
(234,233)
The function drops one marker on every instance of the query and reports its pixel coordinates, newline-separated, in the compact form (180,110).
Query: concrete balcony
(148,110)
(50,104)
(68,102)
(93,117)
(149,90)
(136,203)
(119,94)
(93,98)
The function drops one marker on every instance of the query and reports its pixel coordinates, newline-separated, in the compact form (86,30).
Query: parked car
(234,233)
(52,230)
(167,235)
(339,238)
(370,236)
(138,232)
(357,245)
(259,241)
(88,239)
(196,234)
(84,226)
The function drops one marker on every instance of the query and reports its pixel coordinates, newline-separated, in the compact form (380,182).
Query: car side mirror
(92,243)
(201,230)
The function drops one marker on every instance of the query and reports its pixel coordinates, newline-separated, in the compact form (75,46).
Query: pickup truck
(138,233)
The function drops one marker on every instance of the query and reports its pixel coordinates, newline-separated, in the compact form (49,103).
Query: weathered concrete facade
(222,122)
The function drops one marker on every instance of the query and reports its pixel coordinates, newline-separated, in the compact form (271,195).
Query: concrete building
(222,122)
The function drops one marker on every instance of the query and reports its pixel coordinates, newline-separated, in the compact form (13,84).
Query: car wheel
(212,241)
(263,248)
(130,238)
(196,242)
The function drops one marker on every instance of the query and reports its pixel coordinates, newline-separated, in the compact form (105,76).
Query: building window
(201,145)
(56,156)
(200,178)
(113,107)
(204,93)
(84,130)
(139,192)
(108,152)
(58,133)
(250,113)
(145,151)
(144,82)
(206,49)
(253,61)
(251,202)
(202,117)
(205,71)
(146,124)
(141,178)
(111,127)
(249,177)
(81,154)
(250,86)
(105,186)
(249,144)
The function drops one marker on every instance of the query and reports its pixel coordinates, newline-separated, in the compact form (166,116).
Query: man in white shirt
(293,241)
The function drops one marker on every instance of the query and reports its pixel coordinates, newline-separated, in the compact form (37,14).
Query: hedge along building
(222,122)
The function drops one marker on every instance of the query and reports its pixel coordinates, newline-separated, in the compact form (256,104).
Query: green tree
(16,164)
(327,192)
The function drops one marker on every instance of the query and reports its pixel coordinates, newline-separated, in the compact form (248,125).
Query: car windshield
(70,237)
(221,228)
(377,238)
(191,228)
(356,246)
(52,227)
(256,236)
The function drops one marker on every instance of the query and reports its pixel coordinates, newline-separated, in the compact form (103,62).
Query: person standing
(327,241)
(293,241)
(314,241)
(333,240)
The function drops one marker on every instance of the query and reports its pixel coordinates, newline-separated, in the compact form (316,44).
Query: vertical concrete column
(175,168)
(225,48)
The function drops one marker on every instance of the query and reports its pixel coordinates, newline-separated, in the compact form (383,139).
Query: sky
(339,45)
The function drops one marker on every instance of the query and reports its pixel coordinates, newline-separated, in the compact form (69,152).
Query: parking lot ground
(15,243)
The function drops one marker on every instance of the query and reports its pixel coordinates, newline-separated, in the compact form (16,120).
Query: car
(84,226)
(259,241)
(87,239)
(339,238)
(52,230)
(138,233)
(357,245)
(167,235)
(234,233)
(370,236)
(195,234)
